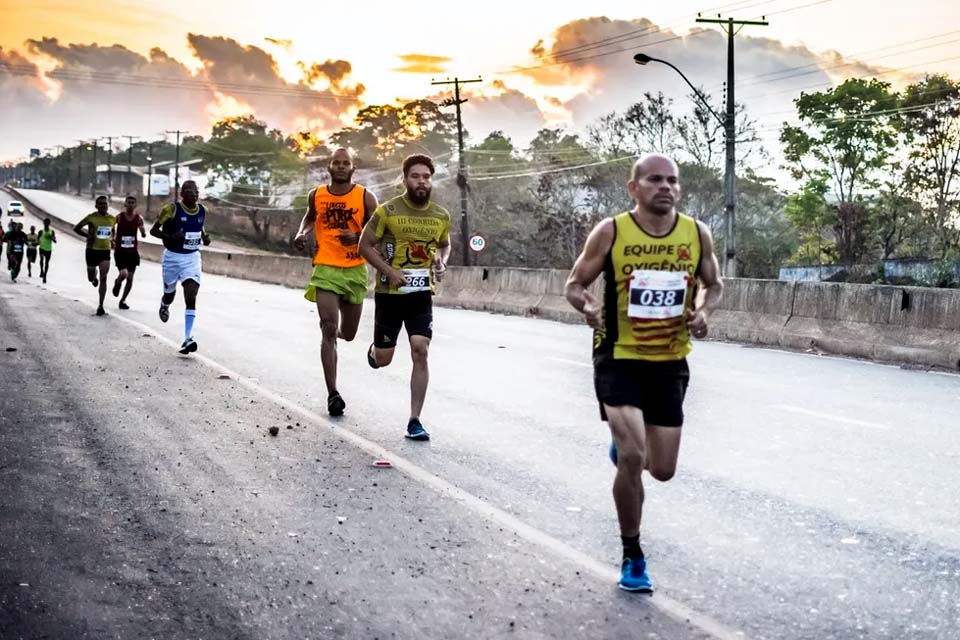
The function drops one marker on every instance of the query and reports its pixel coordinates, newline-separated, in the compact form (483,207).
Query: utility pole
(149,174)
(732,28)
(461,167)
(93,187)
(176,167)
(79,156)
(129,179)
(109,140)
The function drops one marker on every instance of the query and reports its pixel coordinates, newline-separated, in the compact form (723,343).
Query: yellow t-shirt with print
(100,228)
(409,237)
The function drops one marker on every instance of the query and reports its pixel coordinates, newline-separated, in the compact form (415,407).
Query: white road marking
(573,362)
(602,570)
(827,416)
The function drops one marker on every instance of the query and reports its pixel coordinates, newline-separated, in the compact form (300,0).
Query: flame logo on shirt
(417,254)
(683,251)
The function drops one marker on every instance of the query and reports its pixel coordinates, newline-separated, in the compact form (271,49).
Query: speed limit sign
(477,242)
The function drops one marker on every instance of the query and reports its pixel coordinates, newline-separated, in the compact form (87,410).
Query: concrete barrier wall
(899,324)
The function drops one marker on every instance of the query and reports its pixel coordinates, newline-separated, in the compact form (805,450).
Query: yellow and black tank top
(649,290)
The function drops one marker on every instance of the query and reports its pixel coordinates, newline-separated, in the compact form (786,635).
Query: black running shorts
(126,260)
(31,255)
(96,256)
(396,310)
(656,388)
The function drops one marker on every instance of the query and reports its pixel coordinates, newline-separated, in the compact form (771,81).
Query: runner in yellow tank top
(97,228)
(652,259)
(335,215)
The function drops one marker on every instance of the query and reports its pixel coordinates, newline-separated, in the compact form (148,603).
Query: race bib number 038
(191,240)
(657,295)
(417,280)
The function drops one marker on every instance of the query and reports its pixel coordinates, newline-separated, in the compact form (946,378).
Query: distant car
(15,208)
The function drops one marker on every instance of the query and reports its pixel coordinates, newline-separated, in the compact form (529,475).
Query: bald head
(341,167)
(653,163)
(655,184)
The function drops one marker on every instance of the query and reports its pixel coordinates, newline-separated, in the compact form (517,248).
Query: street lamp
(730,176)
(149,178)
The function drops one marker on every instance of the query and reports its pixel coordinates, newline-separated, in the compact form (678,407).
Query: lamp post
(730,177)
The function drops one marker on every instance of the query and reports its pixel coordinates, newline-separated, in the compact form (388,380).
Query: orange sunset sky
(80,69)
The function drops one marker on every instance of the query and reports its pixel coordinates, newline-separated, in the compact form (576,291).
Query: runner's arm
(81,228)
(709,277)
(308,221)
(370,205)
(587,269)
(368,246)
(143,232)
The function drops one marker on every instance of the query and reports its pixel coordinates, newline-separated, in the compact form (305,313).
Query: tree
(845,139)
(931,124)
(244,152)
(808,212)
(384,134)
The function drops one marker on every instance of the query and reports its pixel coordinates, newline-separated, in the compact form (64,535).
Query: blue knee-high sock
(189,316)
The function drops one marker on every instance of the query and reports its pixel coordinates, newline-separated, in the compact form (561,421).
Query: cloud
(109,89)
(280,42)
(506,109)
(422,63)
(588,64)
(333,71)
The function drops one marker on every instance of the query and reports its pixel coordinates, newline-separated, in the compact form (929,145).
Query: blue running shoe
(633,576)
(415,430)
(613,452)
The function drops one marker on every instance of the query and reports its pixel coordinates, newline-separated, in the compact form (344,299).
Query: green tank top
(46,239)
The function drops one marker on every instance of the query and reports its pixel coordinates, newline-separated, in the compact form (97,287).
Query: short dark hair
(46,221)
(417,158)
(99,198)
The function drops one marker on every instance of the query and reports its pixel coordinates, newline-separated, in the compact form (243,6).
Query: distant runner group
(661,282)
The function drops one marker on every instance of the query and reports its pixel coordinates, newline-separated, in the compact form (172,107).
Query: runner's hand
(439,268)
(591,309)
(206,240)
(349,239)
(396,278)
(697,324)
(299,242)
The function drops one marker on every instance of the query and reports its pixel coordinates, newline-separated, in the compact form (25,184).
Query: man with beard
(97,228)
(336,214)
(651,258)
(126,254)
(181,227)
(408,241)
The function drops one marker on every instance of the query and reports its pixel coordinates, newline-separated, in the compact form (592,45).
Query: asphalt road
(816,497)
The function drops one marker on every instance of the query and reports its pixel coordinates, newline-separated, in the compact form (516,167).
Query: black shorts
(126,260)
(31,255)
(656,388)
(45,254)
(96,256)
(392,311)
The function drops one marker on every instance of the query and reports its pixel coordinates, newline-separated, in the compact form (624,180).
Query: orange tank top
(336,215)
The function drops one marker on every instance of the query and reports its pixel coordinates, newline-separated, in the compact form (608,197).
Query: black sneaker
(415,430)
(101,311)
(116,288)
(95,282)
(371,360)
(123,305)
(164,312)
(189,346)
(335,404)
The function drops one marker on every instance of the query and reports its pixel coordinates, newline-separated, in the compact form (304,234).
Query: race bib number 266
(657,295)
(417,280)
